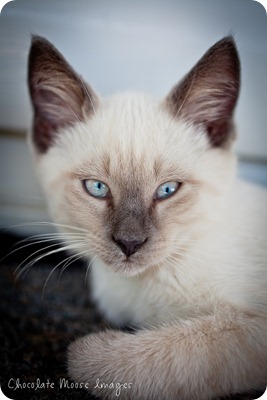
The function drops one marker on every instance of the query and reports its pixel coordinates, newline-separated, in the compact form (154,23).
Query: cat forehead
(130,137)
(131,120)
(132,127)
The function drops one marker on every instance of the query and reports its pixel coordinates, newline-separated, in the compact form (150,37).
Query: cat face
(141,179)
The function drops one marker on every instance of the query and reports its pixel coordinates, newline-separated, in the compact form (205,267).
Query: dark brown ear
(208,94)
(58,94)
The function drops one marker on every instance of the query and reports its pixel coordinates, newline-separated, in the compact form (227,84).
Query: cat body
(147,191)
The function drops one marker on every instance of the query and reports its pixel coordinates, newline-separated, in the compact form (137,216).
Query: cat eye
(166,190)
(96,188)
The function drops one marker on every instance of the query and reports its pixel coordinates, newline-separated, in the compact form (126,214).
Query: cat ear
(58,94)
(208,93)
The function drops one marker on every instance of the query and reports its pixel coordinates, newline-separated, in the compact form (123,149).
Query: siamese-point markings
(145,189)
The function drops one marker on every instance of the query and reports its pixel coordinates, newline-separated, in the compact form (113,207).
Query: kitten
(147,190)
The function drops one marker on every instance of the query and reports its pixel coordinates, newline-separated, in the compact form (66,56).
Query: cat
(146,190)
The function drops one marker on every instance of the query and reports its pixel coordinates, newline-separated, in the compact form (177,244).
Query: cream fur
(197,288)
(223,262)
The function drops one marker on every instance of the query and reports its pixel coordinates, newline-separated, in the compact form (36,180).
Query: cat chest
(141,301)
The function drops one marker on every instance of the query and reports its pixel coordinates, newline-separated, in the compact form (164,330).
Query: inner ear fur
(208,94)
(58,94)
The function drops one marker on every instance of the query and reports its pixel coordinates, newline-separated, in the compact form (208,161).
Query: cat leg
(199,359)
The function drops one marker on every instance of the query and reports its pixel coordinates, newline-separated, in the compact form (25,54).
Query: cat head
(141,179)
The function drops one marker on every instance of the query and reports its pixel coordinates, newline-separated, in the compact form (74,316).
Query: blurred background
(118,45)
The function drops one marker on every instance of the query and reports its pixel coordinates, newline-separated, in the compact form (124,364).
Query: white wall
(127,44)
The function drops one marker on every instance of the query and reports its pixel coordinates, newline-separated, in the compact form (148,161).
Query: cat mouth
(129,261)
(129,258)
(129,265)
(129,268)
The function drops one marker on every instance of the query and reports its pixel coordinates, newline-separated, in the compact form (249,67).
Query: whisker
(88,268)
(71,260)
(35,242)
(31,263)
(52,235)
(46,223)
(67,262)
(31,255)
(47,279)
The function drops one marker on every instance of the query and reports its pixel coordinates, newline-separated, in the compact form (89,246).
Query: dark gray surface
(37,327)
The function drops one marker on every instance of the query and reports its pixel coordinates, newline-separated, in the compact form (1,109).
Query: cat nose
(129,247)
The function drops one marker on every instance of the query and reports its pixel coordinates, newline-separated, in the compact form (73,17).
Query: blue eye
(96,188)
(166,190)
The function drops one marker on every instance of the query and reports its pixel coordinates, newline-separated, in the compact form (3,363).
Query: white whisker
(38,242)
(31,255)
(46,223)
(71,260)
(31,263)
(88,268)
(66,262)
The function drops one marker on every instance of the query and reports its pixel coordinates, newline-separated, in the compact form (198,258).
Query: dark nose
(129,247)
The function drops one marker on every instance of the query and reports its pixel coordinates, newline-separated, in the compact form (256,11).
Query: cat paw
(92,364)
